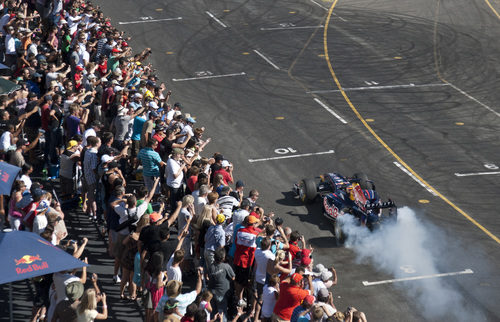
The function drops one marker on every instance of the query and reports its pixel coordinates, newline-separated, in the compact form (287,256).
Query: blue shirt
(296,312)
(137,128)
(215,238)
(150,162)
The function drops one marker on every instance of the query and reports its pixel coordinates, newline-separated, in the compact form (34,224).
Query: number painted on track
(491,166)
(285,150)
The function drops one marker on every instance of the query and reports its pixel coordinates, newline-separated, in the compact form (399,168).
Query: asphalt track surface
(419,82)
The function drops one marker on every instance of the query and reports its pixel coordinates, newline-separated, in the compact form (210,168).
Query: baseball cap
(252,219)
(177,104)
(318,269)
(296,277)
(53,83)
(326,275)
(106,158)
(177,151)
(38,192)
(309,299)
(118,88)
(79,68)
(116,50)
(323,292)
(124,44)
(239,184)
(153,114)
(154,217)
(225,163)
(226,189)
(219,157)
(306,257)
(190,120)
(220,218)
(71,144)
(153,105)
(74,290)
(48,98)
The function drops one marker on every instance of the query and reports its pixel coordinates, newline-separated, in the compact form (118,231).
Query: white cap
(225,163)
(153,105)
(106,158)
(118,88)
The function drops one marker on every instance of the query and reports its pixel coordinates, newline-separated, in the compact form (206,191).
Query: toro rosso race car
(341,195)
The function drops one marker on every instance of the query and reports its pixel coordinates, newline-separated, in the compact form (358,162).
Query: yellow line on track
(492,8)
(379,139)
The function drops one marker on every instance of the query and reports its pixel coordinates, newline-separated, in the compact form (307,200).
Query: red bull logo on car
(29,260)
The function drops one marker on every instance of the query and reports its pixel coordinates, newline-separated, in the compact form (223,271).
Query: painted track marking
(266,59)
(326,9)
(476,174)
(351,89)
(216,20)
(473,99)
(145,21)
(206,77)
(379,139)
(414,278)
(397,164)
(291,156)
(326,107)
(290,28)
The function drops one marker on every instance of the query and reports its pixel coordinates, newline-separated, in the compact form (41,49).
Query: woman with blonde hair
(86,310)
(203,222)
(279,266)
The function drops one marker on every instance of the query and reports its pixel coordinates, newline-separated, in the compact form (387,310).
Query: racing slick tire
(307,190)
(364,183)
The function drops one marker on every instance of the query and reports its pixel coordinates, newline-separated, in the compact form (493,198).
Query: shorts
(118,247)
(134,148)
(242,275)
(260,289)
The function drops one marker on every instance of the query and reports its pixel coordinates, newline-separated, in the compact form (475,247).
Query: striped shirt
(150,162)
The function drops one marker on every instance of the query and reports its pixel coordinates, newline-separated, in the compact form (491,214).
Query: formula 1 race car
(341,195)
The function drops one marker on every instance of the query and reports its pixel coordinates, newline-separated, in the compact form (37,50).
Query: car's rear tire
(307,190)
(364,182)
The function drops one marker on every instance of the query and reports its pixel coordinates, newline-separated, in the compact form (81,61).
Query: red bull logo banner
(30,263)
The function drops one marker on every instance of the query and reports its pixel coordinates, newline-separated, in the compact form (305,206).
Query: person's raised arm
(104,314)
(174,216)
(34,143)
(199,281)
(83,278)
(152,192)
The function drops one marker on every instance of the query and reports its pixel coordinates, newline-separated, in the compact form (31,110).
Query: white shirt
(268,301)
(5,142)
(39,224)
(172,168)
(187,129)
(170,115)
(261,258)
(199,203)
(121,211)
(174,273)
(317,285)
(239,215)
(60,282)
(86,134)
(10,45)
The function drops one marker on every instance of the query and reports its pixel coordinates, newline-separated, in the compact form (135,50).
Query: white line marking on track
(292,156)
(145,21)
(466,271)
(411,85)
(326,107)
(474,99)
(295,27)
(215,18)
(397,164)
(206,77)
(266,59)
(476,174)
(326,9)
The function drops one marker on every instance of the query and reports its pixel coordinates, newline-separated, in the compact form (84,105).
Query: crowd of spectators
(92,115)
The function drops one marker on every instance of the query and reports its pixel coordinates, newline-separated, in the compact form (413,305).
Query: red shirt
(290,297)
(103,68)
(191,182)
(225,176)
(245,246)
(108,94)
(294,249)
